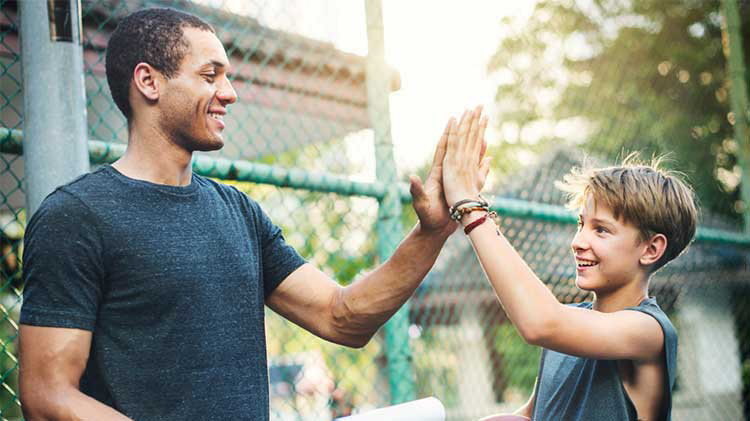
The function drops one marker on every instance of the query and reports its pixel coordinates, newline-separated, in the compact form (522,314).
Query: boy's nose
(578,243)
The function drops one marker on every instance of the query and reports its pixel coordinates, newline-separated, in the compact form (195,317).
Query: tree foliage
(615,76)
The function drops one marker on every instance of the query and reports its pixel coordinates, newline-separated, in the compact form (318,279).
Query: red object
(478,222)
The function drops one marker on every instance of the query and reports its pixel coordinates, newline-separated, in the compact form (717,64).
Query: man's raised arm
(351,315)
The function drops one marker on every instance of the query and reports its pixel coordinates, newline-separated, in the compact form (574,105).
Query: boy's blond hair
(653,199)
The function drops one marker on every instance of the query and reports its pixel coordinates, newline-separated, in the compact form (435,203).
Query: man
(154,307)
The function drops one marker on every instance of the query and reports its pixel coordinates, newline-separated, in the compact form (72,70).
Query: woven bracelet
(478,222)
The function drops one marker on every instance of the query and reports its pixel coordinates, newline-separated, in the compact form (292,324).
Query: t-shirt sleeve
(62,265)
(278,258)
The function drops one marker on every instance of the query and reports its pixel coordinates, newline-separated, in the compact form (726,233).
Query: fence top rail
(11,142)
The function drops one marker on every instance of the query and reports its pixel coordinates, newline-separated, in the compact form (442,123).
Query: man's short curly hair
(153,36)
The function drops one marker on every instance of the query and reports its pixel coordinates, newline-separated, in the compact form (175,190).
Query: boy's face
(607,250)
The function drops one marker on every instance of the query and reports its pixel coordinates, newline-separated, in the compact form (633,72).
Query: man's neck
(152,156)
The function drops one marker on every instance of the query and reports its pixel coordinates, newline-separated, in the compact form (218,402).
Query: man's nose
(226,94)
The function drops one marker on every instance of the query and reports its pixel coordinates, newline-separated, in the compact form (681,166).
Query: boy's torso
(579,388)
(644,383)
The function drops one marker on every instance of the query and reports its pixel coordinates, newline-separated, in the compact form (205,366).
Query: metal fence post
(389,228)
(54,106)
(738,96)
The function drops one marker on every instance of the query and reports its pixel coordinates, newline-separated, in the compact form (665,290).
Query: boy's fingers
(473,145)
(463,131)
(484,170)
(452,138)
(482,129)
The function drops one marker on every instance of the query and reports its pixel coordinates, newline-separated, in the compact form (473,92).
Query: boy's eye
(601,230)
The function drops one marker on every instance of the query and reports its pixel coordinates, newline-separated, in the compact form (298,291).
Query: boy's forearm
(526,300)
(372,300)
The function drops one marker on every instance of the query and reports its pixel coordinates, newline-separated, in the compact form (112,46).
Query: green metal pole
(738,95)
(389,229)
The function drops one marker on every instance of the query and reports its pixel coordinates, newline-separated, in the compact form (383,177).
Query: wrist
(455,198)
(471,217)
(437,233)
(464,207)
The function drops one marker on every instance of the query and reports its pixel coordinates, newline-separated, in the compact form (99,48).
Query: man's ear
(654,249)
(147,81)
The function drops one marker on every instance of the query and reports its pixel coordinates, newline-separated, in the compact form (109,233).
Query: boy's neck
(629,295)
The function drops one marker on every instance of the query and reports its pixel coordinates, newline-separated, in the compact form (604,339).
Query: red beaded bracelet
(478,222)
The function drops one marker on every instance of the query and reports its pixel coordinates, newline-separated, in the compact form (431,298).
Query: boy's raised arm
(529,304)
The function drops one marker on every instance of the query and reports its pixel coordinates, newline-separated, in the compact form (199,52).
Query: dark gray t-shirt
(171,282)
(580,389)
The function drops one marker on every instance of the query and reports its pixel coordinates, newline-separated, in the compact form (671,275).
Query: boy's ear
(147,81)
(655,248)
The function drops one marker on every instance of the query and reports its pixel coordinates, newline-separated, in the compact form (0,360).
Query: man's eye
(210,77)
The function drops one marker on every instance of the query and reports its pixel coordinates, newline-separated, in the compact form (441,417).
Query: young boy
(612,359)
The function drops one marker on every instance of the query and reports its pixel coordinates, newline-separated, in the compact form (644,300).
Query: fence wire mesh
(304,119)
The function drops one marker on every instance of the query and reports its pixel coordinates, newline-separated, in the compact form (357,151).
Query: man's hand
(465,168)
(428,200)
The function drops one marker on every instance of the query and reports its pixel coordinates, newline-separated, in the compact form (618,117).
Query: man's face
(193,103)
(607,250)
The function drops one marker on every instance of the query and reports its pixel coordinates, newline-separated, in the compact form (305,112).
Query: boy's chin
(585,284)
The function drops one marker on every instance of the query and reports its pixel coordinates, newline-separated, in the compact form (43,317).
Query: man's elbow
(345,326)
(356,341)
(41,402)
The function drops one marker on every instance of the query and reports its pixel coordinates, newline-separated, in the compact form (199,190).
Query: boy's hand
(465,168)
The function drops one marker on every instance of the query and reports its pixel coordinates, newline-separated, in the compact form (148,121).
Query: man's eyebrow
(215,63)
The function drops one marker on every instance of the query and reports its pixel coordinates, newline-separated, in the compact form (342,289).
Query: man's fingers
(415,188)
(437,160)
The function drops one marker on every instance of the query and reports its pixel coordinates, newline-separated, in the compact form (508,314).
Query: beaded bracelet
(463,207)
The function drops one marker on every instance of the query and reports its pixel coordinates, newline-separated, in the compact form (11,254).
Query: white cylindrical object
(427,409)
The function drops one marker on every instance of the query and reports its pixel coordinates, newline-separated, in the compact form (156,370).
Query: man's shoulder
(227,191)
(83,186)
(74,194)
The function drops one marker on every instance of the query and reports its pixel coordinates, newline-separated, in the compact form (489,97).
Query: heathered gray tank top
(576,388)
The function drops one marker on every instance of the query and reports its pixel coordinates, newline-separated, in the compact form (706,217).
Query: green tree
(615,76)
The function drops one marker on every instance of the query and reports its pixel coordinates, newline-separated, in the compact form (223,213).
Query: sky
(440,49)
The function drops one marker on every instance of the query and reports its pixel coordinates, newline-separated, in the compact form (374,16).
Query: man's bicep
(306,297)
(63,265)
(625,334)
(51,356)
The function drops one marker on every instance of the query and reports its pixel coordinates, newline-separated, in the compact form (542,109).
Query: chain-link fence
(309,140)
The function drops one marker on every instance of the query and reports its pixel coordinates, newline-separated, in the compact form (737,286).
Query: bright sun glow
(440,49)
